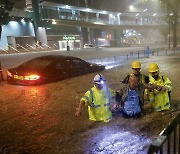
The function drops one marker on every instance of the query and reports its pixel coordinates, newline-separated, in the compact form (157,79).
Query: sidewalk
(107,52)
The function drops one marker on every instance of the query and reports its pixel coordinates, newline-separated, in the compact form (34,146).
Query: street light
(131,7)
(53,21)
(145,10)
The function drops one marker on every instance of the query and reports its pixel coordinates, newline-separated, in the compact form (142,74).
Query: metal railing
(49,13)
(45,45)
(12,48)
(30,47)
(18,45)
(131,55)
(27,48)
(106,21)
(5,51)
(120,60)
(169,139)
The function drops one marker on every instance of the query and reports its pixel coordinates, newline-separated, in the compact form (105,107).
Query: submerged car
(50,68)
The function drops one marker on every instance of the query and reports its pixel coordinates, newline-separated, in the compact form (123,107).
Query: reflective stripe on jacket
(98,102)
(158,99)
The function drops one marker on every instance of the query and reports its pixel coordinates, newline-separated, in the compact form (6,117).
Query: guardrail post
(175,140)
(68,48)
(131,54)
(138,54)
(152,53)
(179,139)
(1,74)
(145,53)
(158,53)
(169,144)
(127,57)
(166,135)
(157,144)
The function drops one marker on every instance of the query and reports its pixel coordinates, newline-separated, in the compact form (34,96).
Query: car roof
(55,57)
(43,61)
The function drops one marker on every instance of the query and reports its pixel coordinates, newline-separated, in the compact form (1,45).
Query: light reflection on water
(109,62)
(34,91)
(112,66)
(121,142)
(36,99)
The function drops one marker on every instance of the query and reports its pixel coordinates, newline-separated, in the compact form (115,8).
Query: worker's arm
(167,83)
(118,97)
(79,109)
(126,80)
(167,86)
(85,100)
(146,78)
(114,97)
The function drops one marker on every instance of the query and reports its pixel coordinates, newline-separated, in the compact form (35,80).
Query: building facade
(73,23)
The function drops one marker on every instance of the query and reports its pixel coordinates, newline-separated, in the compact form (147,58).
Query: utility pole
(169,41)
(87,18)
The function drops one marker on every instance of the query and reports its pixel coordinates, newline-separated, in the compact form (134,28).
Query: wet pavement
(13,60)
(40,119)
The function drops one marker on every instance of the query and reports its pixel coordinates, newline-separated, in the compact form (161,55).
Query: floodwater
(40,119)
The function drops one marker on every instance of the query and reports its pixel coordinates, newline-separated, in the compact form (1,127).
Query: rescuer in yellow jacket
(142,79)
(98,100)
(159,96)
(136,67)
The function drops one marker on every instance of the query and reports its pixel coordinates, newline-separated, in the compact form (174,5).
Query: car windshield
(36,64)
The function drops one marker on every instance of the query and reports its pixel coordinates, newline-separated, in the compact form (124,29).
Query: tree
(5,7)
(173,6)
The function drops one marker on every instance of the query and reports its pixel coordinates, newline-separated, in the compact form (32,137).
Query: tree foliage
(5,7)
(172,7)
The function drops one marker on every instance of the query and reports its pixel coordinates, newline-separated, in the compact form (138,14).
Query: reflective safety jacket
(98,102)
(160,100)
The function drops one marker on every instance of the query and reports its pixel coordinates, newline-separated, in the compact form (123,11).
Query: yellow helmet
(136,64)
(153,67)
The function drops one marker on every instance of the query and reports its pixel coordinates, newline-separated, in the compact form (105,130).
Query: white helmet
(99,79)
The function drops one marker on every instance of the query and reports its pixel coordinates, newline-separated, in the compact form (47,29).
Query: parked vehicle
(87,46)
(50,68)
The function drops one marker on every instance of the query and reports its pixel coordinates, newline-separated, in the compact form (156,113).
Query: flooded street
(40,119)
